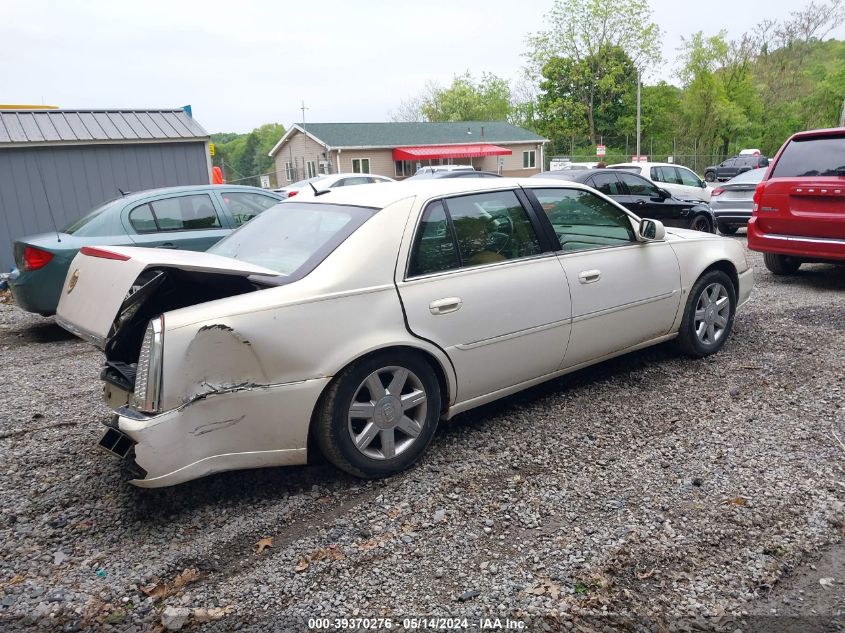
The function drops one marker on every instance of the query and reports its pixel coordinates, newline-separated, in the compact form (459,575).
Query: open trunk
(111,293)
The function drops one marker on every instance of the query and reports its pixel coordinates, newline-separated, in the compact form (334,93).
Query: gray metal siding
(78,178)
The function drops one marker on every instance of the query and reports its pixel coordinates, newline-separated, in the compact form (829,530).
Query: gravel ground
(651,486)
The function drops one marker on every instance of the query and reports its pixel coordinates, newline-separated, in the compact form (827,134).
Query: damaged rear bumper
(249,427)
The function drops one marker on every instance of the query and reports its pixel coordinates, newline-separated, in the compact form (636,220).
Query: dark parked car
(734,167)
(191,218)
(799,207)
(733,201)
(642,197)
(458,173)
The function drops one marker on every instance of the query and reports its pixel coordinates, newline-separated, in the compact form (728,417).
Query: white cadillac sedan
(358,319)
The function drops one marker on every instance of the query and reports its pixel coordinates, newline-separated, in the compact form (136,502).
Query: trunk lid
(100,279)
(805,191)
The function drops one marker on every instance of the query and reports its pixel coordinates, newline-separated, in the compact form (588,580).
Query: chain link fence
(681,150)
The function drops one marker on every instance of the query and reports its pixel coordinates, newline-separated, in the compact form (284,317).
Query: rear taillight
(291,194)
(35,258)
(758,195)
(718,191)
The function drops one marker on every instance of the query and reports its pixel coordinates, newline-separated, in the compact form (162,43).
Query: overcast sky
(244,63)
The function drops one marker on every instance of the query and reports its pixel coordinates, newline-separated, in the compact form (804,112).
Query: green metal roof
(401,134)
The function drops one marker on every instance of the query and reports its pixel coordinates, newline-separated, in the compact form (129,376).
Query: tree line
(243,157)
(580,83)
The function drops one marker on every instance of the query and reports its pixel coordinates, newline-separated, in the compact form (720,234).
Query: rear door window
(608,184)
(142,220)
(185,213)
(638,186)
(817,156)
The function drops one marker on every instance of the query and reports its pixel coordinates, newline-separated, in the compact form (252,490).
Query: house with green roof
(398,149)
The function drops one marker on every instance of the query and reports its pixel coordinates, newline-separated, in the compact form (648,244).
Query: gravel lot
(653,486)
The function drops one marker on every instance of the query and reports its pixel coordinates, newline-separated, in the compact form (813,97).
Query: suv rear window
(815,156)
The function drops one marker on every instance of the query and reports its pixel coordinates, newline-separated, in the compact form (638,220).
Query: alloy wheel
(712,311)
(387,413)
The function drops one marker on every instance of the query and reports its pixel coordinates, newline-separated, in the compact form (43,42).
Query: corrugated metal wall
(77,178)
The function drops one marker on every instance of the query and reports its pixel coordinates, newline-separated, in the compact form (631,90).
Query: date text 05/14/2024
(416,623)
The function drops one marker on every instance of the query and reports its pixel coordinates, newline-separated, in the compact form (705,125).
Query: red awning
(427,152)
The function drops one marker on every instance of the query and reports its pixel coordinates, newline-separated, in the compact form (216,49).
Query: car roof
(138,195)
(831,131)
(381,195)
(648,164)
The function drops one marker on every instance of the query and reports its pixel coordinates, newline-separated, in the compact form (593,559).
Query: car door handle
(589,276)
(168,245)
(640,202)
(445,306)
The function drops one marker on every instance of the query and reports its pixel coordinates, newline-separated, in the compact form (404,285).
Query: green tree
(469,100)
(590,95)
(587,34)
(247,160)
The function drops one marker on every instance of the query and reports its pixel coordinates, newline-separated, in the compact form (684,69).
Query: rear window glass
(92,223)
(817,156)
(292,238)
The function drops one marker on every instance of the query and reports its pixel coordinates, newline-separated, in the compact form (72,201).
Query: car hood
(100,279)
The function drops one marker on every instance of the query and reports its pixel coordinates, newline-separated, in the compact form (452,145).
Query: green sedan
(190,218)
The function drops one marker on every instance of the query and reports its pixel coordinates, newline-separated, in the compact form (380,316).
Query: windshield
(292,238)
(75,227)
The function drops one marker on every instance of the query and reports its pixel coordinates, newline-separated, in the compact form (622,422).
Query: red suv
(799,207)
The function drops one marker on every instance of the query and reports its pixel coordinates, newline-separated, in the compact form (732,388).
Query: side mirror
(663,193)
(702,184)
(651,231)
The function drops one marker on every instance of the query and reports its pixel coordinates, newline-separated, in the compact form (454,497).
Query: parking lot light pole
(638,115)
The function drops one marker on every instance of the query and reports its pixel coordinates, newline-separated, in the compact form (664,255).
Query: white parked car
(678,180)
(358,319)
(329,181)
(432,169)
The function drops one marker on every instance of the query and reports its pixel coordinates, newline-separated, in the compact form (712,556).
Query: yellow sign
(211,149)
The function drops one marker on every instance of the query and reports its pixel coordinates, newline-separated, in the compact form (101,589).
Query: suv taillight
(758,195)
(35,258)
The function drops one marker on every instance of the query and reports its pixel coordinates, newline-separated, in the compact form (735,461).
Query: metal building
(56,165)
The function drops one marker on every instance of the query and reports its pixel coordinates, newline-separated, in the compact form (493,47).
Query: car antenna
(318,192)
(47,197)
(122,192)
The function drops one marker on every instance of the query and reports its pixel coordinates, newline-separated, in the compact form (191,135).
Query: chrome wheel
(387,413)
(712,311)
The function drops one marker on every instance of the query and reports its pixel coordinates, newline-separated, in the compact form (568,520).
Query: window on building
(290,172)
(529,159)
(311,168)
(405,168)
(360,165)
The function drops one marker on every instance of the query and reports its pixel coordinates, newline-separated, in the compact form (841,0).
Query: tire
(710,176)
(705,329)
(702,223)
(781,264)
(415,409)
(726,229)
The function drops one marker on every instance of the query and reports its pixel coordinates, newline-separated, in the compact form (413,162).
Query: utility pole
(842,116)
(638,115)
